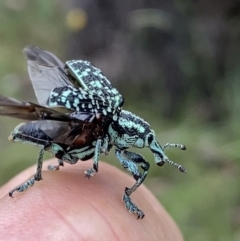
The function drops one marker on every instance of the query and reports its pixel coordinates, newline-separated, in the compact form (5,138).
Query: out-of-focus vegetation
(177,65)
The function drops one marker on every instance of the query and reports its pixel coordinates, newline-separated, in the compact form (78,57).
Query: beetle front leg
(131,163)
(91,171)
(31,181)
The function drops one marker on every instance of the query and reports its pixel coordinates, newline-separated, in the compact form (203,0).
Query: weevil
(80,116)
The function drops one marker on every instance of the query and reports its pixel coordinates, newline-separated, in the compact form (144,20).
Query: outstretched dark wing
(92,79)
(30,111)
(46,72)
(74,129)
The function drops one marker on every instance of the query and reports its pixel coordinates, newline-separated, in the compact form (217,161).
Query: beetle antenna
(180,146)
(178,166)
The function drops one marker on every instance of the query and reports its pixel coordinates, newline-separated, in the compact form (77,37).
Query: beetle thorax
(129,130)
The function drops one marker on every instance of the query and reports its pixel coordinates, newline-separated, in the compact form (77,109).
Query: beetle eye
(122,102)
(150,138)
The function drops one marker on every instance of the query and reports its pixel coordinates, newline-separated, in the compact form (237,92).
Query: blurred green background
(177,65)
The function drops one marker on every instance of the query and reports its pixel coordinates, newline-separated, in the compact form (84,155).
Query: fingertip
(66,199)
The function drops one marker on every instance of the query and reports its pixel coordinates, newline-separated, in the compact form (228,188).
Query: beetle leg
(105,148)
(130,161)
(62,156)
(31,181)
(91,171)
(54,168)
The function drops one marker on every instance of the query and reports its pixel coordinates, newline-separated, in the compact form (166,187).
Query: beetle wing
(63,133)
(30,111)
(75,129)
(48,76)
(81,101)
(46,72)
(78,134)
(92,79)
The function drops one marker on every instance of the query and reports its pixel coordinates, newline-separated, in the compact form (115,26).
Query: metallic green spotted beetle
(80,116)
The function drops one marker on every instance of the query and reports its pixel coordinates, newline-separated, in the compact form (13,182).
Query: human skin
(67,206)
